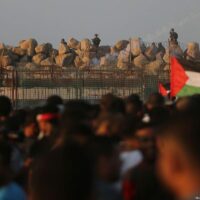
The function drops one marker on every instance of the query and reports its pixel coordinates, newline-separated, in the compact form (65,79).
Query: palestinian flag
(162,90)
(185,77)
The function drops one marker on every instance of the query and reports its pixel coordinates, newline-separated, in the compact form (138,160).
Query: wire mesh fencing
(31,88)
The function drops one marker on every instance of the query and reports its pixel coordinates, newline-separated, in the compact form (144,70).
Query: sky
(51,20)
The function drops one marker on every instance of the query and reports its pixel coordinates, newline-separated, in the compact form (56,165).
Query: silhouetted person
(173,36)
(64,173)
(96,41)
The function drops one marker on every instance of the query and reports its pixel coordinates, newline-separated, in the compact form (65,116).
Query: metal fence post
(13,88)
(77,83)
(16,88)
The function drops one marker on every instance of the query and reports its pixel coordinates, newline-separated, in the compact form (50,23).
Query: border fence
(33,87)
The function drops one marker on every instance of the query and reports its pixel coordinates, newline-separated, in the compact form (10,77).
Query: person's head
(112,104)
(145,137)
(96,35)
(77,111)
(106,156)
(188,104)
(5,107)
(106,102)
(134,105)
(172,30)
(48,119)
(182,104)
(179,154)
(155,100)
(54,100)
(65,173)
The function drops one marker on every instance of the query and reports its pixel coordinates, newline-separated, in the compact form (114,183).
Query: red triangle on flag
(162,90)
(178,77)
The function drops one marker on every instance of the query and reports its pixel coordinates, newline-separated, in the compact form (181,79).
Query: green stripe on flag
(189,90)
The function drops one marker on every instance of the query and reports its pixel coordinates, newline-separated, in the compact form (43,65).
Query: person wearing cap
(173,36)
(48,122)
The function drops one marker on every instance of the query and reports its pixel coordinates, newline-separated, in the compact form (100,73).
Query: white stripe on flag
(194,78)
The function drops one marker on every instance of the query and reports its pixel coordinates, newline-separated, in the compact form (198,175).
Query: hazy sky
(51,20)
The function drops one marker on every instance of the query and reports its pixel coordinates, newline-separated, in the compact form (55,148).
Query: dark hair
(5,106)
(77,110)
(112,104)
(54,100)
(133,98)
(65,173)
(136,101)
(30,118)
(50,109)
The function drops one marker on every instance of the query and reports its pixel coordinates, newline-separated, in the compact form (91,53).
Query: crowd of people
(119,149)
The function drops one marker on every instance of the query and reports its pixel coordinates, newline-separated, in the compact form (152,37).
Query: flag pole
(169,73)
